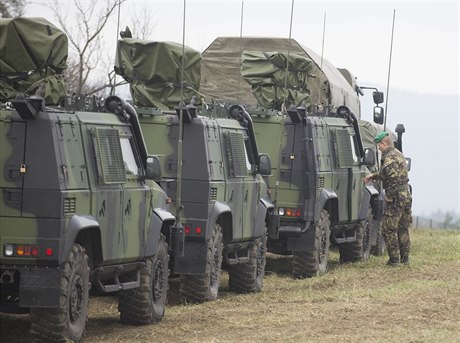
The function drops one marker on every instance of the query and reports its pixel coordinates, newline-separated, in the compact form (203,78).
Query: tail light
(25,250)
(290,212)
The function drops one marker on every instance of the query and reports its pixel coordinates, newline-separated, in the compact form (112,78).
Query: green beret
(380,136)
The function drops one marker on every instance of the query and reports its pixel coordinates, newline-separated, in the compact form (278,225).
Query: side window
(131,166)
(108,155)
(353,148)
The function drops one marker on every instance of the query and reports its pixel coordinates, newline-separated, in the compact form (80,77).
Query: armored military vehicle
(304,119)
(78,201)
(222,203)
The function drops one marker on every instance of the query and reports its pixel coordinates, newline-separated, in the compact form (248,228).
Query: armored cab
(306,119)
(78,204)
(212,166)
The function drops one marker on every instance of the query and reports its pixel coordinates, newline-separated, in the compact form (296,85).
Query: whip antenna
(389,70)
(112,90)
(288,53)
(322,58)
(181,127)
(241,48)
(278,172)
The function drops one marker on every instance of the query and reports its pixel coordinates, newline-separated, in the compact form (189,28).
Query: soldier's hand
(368,178)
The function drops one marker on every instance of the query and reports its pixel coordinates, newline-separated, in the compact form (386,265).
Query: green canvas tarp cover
(221,74)
(271,84)
(153,70)
(33,53)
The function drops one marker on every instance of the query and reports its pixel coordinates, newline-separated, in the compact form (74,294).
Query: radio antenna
(241,49)
(112,89)
(278,166)
(389,70)
(181,127)
(322,57)
(288,53)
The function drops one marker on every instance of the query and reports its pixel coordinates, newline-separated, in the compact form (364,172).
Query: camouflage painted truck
(223,203)
(78,202)
(304,119)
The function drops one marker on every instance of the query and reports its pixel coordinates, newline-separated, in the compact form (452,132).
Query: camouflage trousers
(395,224)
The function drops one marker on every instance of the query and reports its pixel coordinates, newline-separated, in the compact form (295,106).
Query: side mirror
(153,168)
(378,97)
(369,157)
(408,163)
(265,165)
(378,114)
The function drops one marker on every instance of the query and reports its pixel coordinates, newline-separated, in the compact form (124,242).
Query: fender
(76,224)
(217,209)
(267,203)
(369,193)
(328,199)
(159,216)
(260,226)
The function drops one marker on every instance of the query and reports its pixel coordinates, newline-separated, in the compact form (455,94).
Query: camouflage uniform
(397,216)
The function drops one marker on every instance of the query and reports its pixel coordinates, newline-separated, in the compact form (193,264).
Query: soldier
(398,200)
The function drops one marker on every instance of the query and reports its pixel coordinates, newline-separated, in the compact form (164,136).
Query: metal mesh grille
(321,182)
(109,157)
(213,195)
(236,154)
(343,148)
(70,205)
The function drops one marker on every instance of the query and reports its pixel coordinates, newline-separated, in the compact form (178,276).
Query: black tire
(146,304)
(313,263)
(379,248)
(360,249)
(68,322)
(248,277)
(205,287)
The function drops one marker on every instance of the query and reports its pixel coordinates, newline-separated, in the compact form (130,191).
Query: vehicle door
(347,163)
(135,198)
(12,160)
(236,170)
(107,191)
(251,190)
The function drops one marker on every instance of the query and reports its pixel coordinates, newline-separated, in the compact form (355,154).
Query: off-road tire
(248,277)
(146,304)
(68,322)
(313,263)
(379,248)
(360,249)
(205,287)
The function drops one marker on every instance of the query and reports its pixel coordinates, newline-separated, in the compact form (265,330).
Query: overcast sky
(425,60)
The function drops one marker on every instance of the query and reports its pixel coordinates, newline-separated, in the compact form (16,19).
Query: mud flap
(193,261)
(39,287)
(273,226)
(304,243)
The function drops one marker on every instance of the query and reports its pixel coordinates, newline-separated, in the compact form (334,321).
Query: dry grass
(362,302)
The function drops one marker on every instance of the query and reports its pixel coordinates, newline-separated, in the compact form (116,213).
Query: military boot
(405,259)
(393,262)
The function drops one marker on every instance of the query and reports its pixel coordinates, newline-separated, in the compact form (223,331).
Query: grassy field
(361,302)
